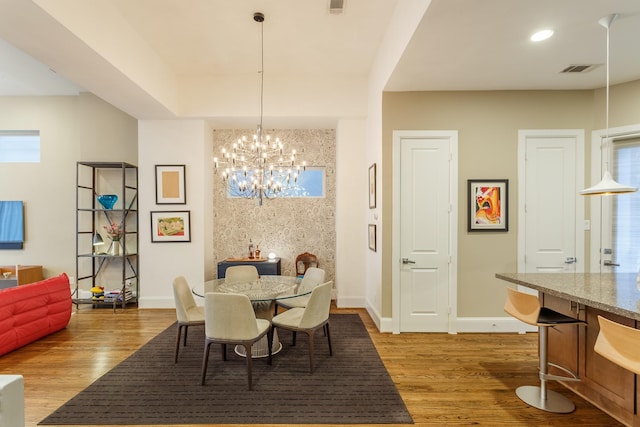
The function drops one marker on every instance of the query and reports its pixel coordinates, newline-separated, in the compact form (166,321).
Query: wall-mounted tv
(11,224)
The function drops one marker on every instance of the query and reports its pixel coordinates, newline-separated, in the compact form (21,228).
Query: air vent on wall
(336,7)
(579,68)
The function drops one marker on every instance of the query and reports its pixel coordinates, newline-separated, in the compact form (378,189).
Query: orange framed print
(170,226)
(488,205)
(170,185)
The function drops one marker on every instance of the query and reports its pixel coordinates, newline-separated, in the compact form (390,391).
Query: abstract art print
(488,205)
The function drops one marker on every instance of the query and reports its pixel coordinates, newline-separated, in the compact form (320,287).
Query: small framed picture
(170,226)
(372,237)
(372,186)
(488,205)
(170,185)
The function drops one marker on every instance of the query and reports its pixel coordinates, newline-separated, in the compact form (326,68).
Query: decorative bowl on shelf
(108,200)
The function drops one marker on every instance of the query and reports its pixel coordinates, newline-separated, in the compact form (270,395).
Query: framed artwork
(170,185)
(488,205)
(170,226)
(372,186)
(372,237)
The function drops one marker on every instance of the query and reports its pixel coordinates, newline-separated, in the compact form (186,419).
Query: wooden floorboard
(455,380)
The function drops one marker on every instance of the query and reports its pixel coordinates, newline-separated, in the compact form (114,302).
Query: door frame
(452,137)
(597,167)
(580,225)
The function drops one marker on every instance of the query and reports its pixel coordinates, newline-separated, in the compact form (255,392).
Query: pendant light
(607,185)
(259,168)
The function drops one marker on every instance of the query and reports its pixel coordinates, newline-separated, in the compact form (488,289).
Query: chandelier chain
(261,71)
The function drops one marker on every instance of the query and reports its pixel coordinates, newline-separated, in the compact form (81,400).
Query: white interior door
(550,207)
(425,269)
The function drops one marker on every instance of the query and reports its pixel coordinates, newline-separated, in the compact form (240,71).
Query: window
(311,183)
(625,213)
(20,146)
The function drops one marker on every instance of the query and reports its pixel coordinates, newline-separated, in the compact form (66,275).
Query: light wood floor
(464,379)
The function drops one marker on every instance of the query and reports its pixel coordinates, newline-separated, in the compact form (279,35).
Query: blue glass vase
(108,200)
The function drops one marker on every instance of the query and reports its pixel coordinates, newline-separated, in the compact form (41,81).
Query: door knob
(608,263)
(571,260)
(407,261)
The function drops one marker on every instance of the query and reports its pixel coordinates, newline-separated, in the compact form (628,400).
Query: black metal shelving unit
(97,266)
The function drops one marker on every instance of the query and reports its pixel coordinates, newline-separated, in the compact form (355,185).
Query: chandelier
(258,168)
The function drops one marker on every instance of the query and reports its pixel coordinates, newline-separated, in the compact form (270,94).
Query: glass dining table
(263,294)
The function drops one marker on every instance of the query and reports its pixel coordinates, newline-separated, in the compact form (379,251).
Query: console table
(24,274)
(268,267)
(585,296)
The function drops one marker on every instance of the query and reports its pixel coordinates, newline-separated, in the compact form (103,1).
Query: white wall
(405,20)
(72,129)
(85,128)
(351,202)
(190,143)
(174,142)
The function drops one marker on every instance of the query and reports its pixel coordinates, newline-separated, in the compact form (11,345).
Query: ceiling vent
(579,68)
(336,7)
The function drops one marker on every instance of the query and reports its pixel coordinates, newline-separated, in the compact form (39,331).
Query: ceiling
(125,51)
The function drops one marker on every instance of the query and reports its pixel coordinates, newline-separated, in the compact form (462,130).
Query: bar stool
(526,308)
(619,343)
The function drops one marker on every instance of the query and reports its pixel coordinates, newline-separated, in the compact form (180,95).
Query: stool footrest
(572,376)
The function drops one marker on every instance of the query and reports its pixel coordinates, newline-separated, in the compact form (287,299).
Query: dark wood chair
(304,261)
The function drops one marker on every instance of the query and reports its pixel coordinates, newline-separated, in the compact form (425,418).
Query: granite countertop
(615,293)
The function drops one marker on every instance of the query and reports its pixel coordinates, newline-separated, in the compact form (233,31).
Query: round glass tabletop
(266,288)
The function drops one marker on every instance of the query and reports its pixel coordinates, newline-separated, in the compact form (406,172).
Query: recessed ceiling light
(541,35)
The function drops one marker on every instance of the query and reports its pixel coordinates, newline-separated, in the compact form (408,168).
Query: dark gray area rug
(352,387)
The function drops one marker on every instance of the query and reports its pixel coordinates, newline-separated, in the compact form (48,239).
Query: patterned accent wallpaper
(285,226)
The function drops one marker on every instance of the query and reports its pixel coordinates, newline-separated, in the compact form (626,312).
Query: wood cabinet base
(26,273)
(603,383)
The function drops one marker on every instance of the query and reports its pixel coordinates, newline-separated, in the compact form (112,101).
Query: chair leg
(175,358)
(310,334)
(247,348)
(326,331)
(224,352)
(275,310)
(186,330)
(205,361)
(294,337)
(270,343)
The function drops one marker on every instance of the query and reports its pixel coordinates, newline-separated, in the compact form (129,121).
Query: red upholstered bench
(30,312)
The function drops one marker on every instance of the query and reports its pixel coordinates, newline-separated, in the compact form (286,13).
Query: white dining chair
(230,319)
(310,318)
(312,278)
(187,312)
(241,274)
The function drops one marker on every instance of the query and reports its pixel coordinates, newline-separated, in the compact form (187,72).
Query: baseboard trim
(491,325)
(385,324)
(466,324)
